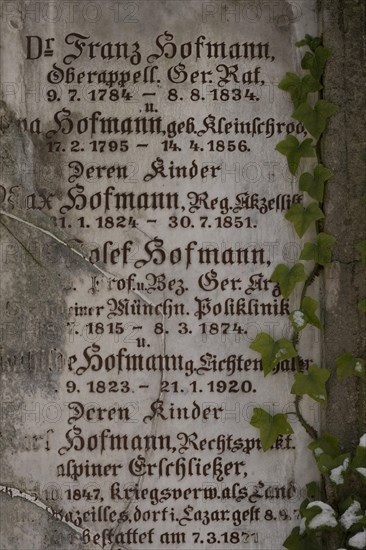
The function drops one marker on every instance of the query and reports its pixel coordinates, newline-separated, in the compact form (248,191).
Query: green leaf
(313,490)
(315,120)
(326,452)
(361,249)
(306,315)
(303,217)
(352,513)
(310,41)
(347,365)
(359,461)
(314,184)
(309,306)
(297,319)
(338,468)
(272,351)
(315,62)
(326,444)
(299,88)
(321,251)
(287,278)
(294,151)
(358,537)
(361,306)
(312,383)
(303,506)
(306,541)
(320,515)
(363,199)
(270,427)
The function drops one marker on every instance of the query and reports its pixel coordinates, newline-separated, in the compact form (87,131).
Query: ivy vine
(345,515)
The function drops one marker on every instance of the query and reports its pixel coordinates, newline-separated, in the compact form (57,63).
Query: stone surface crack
(21,243)
(163,343)
(13,492)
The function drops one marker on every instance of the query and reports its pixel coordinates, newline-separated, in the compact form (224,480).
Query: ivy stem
(310,430)
(310,278)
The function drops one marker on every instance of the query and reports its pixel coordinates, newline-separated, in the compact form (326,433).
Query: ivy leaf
(312,383)
(315,62)
(310,41)
(299,88)
(358,538)
(313,490)
(309,306)
(361,306)
(287,278)
(315,120)
(320,515)
(321,251)
(359,461)
(314,184)
(337,468)
(326,452)
(270,427)
(327,444)
(297,319)
(361,248)
(303,506)
(352,513)
(294,151)
(347,365)
(272,351)
(306,315)
(303,217)
(306,541)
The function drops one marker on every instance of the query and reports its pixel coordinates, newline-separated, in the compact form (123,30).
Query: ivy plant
(345,515)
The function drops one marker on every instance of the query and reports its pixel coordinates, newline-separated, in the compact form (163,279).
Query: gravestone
(142,217)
